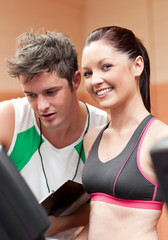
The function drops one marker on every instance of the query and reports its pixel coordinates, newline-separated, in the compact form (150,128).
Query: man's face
(50,97)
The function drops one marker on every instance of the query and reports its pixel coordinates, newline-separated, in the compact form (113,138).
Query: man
(43,132)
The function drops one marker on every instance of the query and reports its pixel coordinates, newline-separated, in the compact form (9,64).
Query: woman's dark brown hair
(125,41)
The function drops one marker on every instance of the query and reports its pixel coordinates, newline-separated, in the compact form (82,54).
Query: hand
(63,223)
(82,234)
(55,227)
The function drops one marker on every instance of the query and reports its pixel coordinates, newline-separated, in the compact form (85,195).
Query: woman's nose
(97,78)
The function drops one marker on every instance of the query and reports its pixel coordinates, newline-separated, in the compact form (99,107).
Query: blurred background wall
(77,18)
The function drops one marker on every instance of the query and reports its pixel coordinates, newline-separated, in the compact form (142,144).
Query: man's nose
(43,103)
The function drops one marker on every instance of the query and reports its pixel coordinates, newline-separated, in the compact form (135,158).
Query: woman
(125,196)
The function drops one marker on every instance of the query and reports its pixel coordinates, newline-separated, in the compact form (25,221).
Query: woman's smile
(104,91)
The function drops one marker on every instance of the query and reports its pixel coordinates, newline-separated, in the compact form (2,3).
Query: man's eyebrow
(55,87)
(45,90)
(27,92)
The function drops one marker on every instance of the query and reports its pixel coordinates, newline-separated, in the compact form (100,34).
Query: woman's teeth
(104,91)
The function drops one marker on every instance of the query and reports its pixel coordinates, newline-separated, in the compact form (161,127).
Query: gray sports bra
(121,180)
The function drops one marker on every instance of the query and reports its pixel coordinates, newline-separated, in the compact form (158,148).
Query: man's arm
(63,223)
(7,123)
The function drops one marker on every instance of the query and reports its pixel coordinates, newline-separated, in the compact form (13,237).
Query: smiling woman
(113,68)
(116,70)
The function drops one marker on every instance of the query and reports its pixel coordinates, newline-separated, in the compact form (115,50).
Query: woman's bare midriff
(117,222)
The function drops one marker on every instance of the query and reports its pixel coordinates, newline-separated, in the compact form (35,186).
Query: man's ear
(76,80)
(138,66)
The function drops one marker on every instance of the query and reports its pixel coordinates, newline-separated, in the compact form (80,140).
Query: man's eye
(51,92)
(31,95)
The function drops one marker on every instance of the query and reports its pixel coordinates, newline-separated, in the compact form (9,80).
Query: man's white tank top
(59,165)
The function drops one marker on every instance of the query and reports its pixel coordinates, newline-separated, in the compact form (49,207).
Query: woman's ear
(138,66)
(76,80)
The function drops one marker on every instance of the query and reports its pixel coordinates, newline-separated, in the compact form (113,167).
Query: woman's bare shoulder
(92,133)
(90,137)
(158,131)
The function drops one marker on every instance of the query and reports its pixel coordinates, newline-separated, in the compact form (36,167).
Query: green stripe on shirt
(80,150)
(26,145)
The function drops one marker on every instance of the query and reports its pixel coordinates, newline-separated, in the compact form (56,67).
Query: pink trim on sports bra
(102,197)
(125,163)
(138,158)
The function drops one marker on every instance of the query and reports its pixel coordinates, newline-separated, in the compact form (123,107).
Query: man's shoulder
(21,106)
(20,101)
(97,116)
(7,122)
(24,114)
(6,108)
(96,110)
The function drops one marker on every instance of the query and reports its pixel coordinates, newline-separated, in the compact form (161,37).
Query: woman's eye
(87,74)
(106,66)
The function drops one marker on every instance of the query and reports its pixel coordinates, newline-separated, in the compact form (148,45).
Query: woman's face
(111,78)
